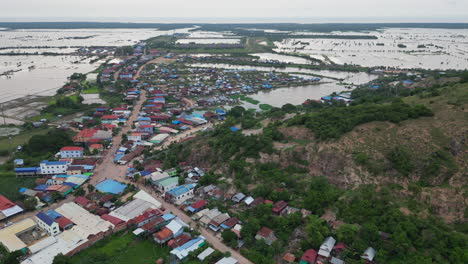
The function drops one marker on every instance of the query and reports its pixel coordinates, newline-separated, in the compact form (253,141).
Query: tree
(61,259)
(30,203)
(316,231)
(12,258)
(80,192)
(347,233)
(90,188)
(400,157)
(229,238)
(56,196)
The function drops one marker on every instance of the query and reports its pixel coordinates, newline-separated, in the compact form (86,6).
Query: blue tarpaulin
(110,186)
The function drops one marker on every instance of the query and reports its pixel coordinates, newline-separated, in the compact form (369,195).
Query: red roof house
(80,200)
(309,256)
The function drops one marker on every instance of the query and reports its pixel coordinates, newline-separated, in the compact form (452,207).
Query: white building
(71,152)
(181,193)
(47,224)
(53,167)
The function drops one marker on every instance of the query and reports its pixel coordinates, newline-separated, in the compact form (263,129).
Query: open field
(121,248)
(10,185)
(22,138)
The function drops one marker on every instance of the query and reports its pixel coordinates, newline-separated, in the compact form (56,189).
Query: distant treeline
(77,25)
(233,27)
(328,27)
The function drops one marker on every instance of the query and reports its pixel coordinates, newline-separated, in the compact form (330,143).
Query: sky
(236,10)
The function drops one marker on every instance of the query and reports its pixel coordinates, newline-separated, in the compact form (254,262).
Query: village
(106,183)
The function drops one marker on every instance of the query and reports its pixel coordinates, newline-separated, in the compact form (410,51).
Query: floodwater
(419,48)
(78,37)
(281,58)
(297,95)
(50,72)
(209,41)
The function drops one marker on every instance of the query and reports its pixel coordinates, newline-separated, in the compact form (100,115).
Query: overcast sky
(224,11)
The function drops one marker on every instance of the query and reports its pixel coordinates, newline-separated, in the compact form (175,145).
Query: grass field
(22,138)
(90,89)
(122,248)
(10,185)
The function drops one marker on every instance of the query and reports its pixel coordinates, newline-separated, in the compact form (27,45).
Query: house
(267,235)
(74,170)
(308,257)
(27,171)
(109,119)
(158,176)
(326,248)
(238,197)
(215,223)
(249,200)
(163,236)
(196,206)
(18,162)
(64,223)
(207,252)
(180,194)
(81,201)
(8,208)
(334,260)
(47,224)
(168,184)
(227,260)
(135,136)
(53,167)
(160,138)
(96,147)
(279,206)
(147,129)
(369,255)
(183,251)
(289,258)
(179,240)
(230,223)
(84,135)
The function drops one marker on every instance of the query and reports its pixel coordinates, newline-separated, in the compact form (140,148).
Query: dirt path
(209,236)
(108,169)
(155,61)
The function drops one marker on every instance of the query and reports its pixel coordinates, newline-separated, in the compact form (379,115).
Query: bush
(400,157)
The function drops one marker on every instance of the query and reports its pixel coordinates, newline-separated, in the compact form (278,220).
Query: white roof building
(66,242)
(327,247)
(132,209)
(85,223)
(228,260)
(142,195)
(205,253)
(9,238)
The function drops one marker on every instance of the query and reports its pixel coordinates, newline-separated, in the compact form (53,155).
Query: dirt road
(155,61)
(108,169)
(209,236)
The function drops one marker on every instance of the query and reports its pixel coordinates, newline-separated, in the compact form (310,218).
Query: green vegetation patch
(331,123)
(122,248)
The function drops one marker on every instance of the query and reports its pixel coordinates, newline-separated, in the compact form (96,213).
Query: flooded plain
(298,94)
(43,75)
(395,47)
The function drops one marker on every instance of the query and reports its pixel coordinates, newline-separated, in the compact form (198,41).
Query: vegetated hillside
(423,157)
(382,175)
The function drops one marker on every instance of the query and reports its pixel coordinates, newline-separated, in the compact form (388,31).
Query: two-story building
(180,194)
(71,152)
(47,224)
(53,167)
